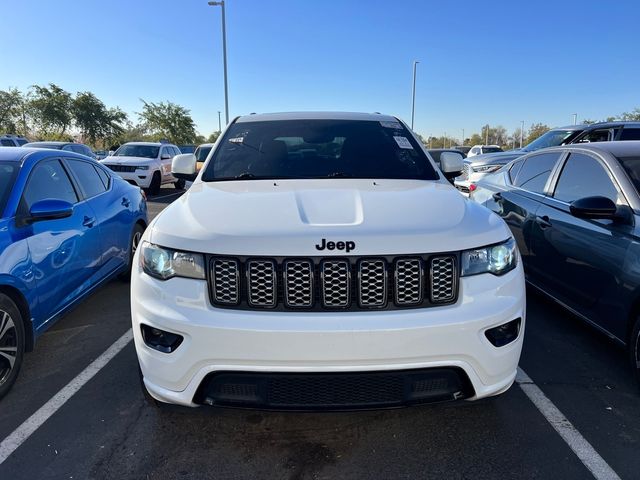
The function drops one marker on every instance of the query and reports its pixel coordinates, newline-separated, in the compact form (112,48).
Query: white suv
(322,261)
(145,164)
(482,149)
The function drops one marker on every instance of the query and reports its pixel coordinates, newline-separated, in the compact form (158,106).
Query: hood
(498,157)
(291,217)
(128,160)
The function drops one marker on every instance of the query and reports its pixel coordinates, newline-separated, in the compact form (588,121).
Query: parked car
(574,212)
(483,149)
(9,140)
(462,148)
(67,226)
(318,262)
(101,154)
(436,152)
(146,164)
(476,168)
(66,146)
(187,148)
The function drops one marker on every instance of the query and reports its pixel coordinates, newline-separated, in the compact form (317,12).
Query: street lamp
(521,132)
(413,96)
(575,118)
(219,123)
(224,59)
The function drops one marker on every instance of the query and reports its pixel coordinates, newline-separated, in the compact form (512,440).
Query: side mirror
(184,166)
(451,164)
(594,208)
(50,209)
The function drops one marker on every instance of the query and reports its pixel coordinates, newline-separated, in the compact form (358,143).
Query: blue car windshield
(144,151)
(8,172)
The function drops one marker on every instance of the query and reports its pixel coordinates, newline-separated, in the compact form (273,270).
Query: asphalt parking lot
(106,430)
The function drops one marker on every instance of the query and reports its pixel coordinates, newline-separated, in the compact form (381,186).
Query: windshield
(145,151)
(632,166)
(8,172)
(187,148)
(318,149)
(202,153)
(553,138)
(491,149)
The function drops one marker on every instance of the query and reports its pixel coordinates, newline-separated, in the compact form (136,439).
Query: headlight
(142,167)
(486,168)
(164,263)
(497,259)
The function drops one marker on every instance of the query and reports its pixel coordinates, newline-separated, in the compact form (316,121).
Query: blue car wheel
(11,343)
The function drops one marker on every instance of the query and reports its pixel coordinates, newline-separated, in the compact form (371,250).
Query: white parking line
(30,425)
(572,437)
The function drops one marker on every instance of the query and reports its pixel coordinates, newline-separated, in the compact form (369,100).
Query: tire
(12,338)
(156,181)
(634,349)
(134,241)
(180,184)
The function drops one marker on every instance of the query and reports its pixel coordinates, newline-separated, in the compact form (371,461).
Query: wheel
(134,241)
(11,343)
(154,187)
(179,185)
(634,349)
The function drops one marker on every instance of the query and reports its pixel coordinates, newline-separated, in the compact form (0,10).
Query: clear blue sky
(494,61)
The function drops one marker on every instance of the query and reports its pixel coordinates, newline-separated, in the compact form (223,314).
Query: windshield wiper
(244,176)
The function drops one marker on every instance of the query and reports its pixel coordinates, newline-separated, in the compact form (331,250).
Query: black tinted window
(513,171)
(596,136)
(88,177)
(319,149)
(6,143)
(534,173)
(104,176)
(48,180)
(8,172)
(630,134)
(583,176)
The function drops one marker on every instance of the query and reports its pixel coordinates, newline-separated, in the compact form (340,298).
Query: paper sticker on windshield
(394,125)
(403,142)
(236,140)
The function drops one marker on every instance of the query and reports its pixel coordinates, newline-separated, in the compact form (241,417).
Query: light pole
(219,123)
(575,118)
(413,96)
(224,60)
(521,132)
(463,137)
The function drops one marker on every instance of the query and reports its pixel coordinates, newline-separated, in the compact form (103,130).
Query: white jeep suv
(146,164)
(322,261)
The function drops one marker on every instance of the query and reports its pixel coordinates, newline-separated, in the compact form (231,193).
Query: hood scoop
(329,207)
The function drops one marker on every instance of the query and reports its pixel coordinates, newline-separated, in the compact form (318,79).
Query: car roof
(41,144)
(19,154)
(151,144)
(268,117)
(627,148)
(591,126)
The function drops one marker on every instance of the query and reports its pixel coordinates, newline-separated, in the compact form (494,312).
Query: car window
(201,153)
(630,134)
(602,135)
(105,177)
(68,148)
(318,148)
(22,141)
(88,178)
(584,176)
(534,173)
(49,180)
(6,143)
(513,171)
(8,173)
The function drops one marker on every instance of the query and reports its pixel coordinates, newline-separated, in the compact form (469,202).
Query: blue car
(67,226)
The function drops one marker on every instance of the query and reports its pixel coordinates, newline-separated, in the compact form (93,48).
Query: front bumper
(224,340)
(141,178)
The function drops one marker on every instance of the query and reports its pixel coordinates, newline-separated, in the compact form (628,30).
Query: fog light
(503,334)
(165,342)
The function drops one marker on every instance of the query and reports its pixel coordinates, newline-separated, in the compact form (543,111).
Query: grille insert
(336,283)
(443,279)
(261,283)
(409,281)
(298,282)
(372,285)
(226,281)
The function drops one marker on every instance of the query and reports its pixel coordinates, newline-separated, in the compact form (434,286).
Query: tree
(90,115)
(537,130)
(51,109)
(633,116)
(168,120)
(11,109)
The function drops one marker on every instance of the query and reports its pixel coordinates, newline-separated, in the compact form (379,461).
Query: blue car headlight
(164,263)
(496,259)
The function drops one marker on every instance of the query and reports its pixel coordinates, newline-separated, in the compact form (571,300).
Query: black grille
(334,283)
(122,168)
(338,391)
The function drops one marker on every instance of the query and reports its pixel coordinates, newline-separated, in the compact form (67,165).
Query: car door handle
(543,221)
(125,202)
(497,197)
(88,221)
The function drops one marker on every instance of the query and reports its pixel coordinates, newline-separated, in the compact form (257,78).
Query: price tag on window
(403,142)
